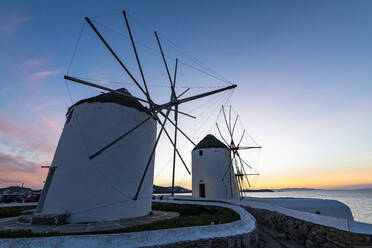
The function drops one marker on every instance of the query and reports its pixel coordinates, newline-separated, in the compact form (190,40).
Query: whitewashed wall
(103,188)
(210,169)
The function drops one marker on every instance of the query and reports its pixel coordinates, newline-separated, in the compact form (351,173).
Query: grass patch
(13,211)
(190,215)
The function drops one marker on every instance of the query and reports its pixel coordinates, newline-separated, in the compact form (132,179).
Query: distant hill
(14,189)
(296,189)
(257,190)
(166,190)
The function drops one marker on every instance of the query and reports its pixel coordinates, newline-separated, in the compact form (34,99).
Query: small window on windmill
(200,152)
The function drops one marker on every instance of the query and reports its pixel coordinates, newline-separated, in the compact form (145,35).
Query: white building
(212,173)
(101,188)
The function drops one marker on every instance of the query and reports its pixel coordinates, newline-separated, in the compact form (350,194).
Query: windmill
(237,163)
(156,111)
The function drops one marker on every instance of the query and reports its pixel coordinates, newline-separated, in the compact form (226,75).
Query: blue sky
(303,71)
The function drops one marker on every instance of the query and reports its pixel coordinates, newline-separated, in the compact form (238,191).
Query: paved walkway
(106,226)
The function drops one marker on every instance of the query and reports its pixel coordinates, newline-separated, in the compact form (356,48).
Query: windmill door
(202,190)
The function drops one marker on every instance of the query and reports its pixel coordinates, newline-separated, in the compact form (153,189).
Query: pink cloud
(33,63)
(36,76)
(11,24)
(46,105)
(15,170)
(51,124)
(25,140)
(24,148)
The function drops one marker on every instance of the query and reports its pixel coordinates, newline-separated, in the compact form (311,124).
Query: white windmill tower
(210,160)
(218,170)
(103,166)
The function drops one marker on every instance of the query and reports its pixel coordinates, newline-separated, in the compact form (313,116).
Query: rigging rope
(183,51)
(156,51)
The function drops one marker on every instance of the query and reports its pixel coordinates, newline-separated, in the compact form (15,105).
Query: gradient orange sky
(303,71)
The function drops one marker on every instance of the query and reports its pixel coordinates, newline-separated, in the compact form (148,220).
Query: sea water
(359,201)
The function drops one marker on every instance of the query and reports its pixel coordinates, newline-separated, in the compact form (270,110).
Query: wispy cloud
(33,63)
(37,76)
(11,24)
(46,105)
(24,148)
(17,169)
(17,163)
(26,141)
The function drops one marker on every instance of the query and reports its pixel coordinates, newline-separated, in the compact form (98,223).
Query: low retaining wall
(307,233)
(241,233)
(241,241)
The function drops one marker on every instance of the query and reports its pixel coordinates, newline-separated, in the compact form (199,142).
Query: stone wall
(309,234)
(248,240)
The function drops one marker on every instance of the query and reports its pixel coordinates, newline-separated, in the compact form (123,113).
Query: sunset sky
(303,70)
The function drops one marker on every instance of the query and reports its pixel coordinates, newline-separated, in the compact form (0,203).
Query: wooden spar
(183,92)
(119,138)
(224,116)
(240,141)
(206,94)
(101,87)
(183,113)
(231,186)
(246,147)
(165,62)
(174,150)
(114,54)
(243,160)
(174,97)
(152,154)
(221,135)
(178,129)
(230,122)
(234,125)
(175,73)
(227,170)
(178,153)
(246,175)
(137,58)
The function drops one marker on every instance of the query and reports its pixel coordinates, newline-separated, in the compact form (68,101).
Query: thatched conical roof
(111,97)
(210,141)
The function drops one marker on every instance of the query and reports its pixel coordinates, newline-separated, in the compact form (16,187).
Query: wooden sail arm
(187,99)
(76,80)
(244,174)
(245,148)
(115,56)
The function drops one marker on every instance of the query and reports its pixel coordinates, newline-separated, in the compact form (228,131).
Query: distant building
(212,173)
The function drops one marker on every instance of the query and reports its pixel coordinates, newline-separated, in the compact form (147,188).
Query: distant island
(296,189)
(168,190)
(257,190)
(15,190)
